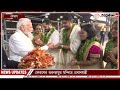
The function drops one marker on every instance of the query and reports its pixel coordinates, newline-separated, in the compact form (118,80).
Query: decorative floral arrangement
(37,57)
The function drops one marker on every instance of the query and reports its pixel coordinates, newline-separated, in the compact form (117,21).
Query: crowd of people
(73,47)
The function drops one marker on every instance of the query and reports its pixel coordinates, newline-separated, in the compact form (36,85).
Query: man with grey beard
(20,43)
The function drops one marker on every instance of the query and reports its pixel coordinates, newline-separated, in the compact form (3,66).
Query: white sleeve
(75,42)
(19,46)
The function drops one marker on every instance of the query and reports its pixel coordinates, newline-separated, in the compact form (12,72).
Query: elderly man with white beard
(20,43)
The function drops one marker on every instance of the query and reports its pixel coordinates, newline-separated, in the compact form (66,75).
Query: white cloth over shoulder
(19,45)
(65,58)
(54,38)
(75,39)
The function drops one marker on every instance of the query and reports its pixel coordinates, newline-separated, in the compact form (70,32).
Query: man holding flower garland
(69,41)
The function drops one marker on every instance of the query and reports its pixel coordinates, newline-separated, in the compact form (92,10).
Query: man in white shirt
(69,41)
(50,39)
(20,43)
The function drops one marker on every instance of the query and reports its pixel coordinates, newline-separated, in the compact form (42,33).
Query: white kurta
(54,38)
(74,45)
(19,45)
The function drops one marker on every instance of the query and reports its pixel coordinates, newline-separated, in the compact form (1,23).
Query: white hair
(23,21)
